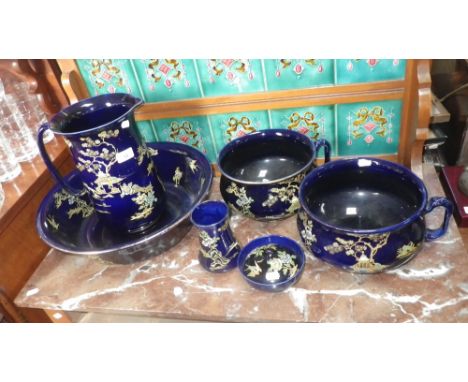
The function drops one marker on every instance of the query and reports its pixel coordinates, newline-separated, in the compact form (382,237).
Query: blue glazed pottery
(70,224)
(218,247)
(366,215)
(262,171)
(271,263)
(114,164)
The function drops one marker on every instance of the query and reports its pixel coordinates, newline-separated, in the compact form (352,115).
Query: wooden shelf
(21,249)
(34,174)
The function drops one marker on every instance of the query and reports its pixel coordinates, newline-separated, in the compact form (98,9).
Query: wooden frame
(21,249)
(414,91)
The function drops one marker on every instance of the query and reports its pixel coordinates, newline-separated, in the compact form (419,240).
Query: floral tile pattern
(230,76)
(298,73)
(227,127)
(315,122)
(192,131)
(368,128)
(369,70)
(108,76)
(167,79)
(352,129)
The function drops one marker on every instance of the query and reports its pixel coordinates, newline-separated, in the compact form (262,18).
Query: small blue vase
(115,166)
(219,249)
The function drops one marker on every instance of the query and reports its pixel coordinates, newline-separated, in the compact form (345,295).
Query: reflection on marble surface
(432,287)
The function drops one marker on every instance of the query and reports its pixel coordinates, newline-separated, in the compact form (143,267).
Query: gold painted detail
(283,263)
(144,198)
(51,220)
(78,204)
(304,124)
(376,114)
(170,70)
(150,167)
(141,154)
(98,157)
(224,227)
(218,261)
(109,71)
(363,249)
(286,194)
(239,127)
(177,176)
(186,133)
(407,250)
(192,163)
(243,201)
(152,152)
(306,233)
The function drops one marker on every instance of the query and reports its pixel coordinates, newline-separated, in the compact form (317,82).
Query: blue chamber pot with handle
(115,167)
(366,215)
(262,171)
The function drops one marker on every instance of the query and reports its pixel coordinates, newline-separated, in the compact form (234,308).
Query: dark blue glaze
(365,214)
(273,248)
(262,171)
(219,248)
(115,168)
(80,231)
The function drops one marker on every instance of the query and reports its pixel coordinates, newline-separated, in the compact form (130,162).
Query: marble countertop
(431,287)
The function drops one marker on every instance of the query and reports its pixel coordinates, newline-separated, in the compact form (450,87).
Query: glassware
(219,248)
(17,134)
(9,167)
(27,105)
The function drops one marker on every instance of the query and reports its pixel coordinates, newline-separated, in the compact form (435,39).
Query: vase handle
(50,166)
(326,148)
(433,234)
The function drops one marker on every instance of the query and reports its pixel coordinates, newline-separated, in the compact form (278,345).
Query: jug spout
(94,113)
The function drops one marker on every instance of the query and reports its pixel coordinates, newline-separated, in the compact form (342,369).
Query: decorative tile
(108,76)
(229,76)
(369,128)
(192,131)
(146,130)
(227,127)
(167,79)
(369,70)
(315,122)
(298,73)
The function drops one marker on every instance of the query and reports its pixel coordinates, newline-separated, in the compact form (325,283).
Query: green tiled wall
(352,129)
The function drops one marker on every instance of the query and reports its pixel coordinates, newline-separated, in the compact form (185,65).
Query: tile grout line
(197,74)
(335,107)
(153,128)
(210,127)
(265,85)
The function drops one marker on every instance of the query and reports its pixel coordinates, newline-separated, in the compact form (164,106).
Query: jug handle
(326,148)
(58,178)
(433,234)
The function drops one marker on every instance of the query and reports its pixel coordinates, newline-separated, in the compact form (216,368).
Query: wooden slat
(329,95)
(72,82)
(416,108)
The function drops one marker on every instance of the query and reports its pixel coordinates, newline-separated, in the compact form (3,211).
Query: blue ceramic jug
(114,164)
